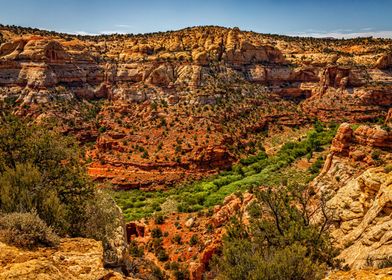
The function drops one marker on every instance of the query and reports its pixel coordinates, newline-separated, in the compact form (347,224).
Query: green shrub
(386,262)
(156,233)
(172,266)
(316,166)
(162,255)
(388,168)
(181,274)
(177,239)
(252,159)
(27,230)
(21,190)
(134,250)
(158,274)
(159,219)
(145,154)
(376,154)
(194,240)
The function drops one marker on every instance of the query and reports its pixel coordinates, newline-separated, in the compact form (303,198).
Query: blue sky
(339,18)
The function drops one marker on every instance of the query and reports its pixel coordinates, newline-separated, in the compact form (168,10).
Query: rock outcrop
(230,207)
(75,258)
(374,137)
(359,194)
(362,208)
(366,136)
(384,62)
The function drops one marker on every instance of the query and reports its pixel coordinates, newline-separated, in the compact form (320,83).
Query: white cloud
(103,32)
(83,33)
(112,32)
(347,35)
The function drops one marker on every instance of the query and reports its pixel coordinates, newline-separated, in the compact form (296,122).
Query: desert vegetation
(44,190)
(279,241)
(251,172)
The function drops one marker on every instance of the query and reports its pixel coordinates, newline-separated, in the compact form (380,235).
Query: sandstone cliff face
(183,58)
(359,194)
(75,258)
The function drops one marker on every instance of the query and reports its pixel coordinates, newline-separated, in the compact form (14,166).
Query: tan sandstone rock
(74,259)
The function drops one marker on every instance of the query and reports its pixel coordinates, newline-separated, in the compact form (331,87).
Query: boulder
(384,62)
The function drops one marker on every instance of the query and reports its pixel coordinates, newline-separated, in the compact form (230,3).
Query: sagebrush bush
(156,233)
(102,217)
(21,190)
(27,230)
(134,250)
(194,240)
(102,220)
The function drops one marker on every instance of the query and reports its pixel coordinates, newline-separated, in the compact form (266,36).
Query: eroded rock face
(343,138)
(366,136)
(374,137)
(389,116)
(359,194)
(45,62)
(75,258)
(362,209)
(231,205)
(216,156)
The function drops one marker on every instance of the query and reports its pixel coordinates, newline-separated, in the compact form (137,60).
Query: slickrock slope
(359,194)
(363,274)
(187,102)
(76,258)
